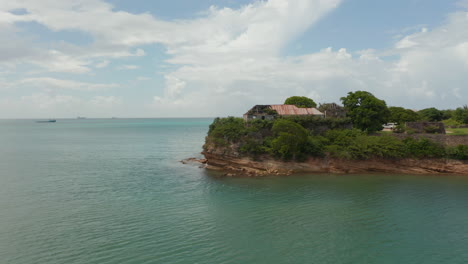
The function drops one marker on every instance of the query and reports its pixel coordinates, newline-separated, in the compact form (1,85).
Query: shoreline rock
(236,166)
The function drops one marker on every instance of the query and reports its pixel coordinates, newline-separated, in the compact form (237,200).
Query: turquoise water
(113,191)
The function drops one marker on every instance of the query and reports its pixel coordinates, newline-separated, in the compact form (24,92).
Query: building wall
(446,140)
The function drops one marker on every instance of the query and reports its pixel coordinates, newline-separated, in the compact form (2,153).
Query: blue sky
(97,58)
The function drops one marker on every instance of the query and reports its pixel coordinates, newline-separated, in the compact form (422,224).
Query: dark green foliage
(401,115)
(459,152)
(300,101)
(451,123)
(270,111)
(431,114)
(290,141)
(253,147)
(257,125)
(287,139)
(319,125)
(461,114)
(315,146)
(447,114)
(423,148)
(367,112)
(354,144)
(431,129)
(229,129)
(400,128)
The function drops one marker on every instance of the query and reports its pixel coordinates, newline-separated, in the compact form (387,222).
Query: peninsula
(299,137)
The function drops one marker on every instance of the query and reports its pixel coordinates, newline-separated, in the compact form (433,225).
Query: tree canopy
(431,114)
(367,112)
(401,115)
(291,139)
(300,101)
(461,114)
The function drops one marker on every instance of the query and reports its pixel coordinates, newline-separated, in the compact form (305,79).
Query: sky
(208,58)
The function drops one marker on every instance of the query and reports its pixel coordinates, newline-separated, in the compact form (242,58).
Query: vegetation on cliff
(296,138)
(299,137)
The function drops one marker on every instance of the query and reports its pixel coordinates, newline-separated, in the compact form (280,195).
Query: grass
(457,131)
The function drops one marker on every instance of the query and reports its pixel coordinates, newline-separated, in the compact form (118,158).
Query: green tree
(300,101)
(461,114)
(431,114)
(290,141)
(229,129)
(401,115)
(447,114)
(367,112)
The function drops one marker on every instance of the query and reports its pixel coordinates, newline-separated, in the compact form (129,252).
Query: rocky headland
(285,147)
(244,166)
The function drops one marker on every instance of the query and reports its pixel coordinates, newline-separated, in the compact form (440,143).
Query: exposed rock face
(237,166)
(228,159)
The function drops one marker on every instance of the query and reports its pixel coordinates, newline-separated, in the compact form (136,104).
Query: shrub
(400,128)
(431,129)
(229,129)
(290,140)
(253,147)
(423,148)
(452,123)
(459,152)
(315,146)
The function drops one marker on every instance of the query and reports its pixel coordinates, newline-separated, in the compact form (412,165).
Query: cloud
(49,105)
(102,64)
(226,60)
(462,4)
(143,78)
(128,67)
(48,83)
(106,101)
(423,69)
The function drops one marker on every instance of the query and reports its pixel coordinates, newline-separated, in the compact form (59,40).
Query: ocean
(114,191)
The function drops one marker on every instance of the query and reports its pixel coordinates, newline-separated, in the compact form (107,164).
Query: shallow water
(114,191)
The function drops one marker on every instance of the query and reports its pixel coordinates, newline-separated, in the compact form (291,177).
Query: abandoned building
(332,110)
(268,112)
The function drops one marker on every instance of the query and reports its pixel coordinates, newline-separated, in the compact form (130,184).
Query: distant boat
(80,117)
(47,121)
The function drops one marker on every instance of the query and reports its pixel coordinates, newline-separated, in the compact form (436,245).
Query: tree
(461,114)
(401,115)
(367,112)
(432,114)
(290,141)
(300,101)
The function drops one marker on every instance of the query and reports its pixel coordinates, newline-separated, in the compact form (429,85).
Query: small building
(269,112)
(333,110)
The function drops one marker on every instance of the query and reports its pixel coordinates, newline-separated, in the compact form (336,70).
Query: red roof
(294,110)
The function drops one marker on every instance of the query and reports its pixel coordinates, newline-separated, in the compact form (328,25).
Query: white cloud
(102,64)
(128,67)
(229,59)
(106,101)
(52,83)
(463,3)
(50,105)
(143,78)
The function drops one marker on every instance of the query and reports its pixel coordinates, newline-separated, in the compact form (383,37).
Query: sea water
(114,191)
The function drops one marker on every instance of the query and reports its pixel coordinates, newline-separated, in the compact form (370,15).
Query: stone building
(269,112)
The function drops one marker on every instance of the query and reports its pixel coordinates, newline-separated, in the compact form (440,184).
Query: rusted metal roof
(294,110)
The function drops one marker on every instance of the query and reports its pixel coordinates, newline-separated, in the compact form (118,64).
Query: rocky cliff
(230,161)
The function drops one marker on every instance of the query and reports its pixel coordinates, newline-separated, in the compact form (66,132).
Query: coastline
(246,167)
